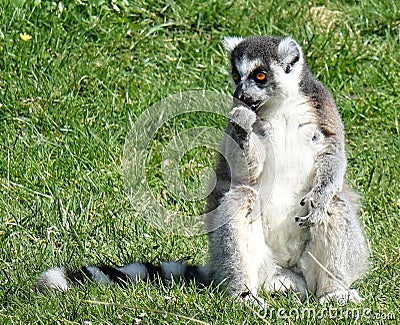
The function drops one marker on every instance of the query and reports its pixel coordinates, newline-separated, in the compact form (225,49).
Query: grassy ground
(68,97)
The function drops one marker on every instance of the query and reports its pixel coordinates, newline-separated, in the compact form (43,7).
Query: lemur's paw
(341,297)
(310,220)
(243,117)
(316,199)
(309,200)
(287,281)
(316,212)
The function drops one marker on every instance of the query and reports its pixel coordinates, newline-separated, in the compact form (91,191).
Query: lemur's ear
(231,42)
(289,53)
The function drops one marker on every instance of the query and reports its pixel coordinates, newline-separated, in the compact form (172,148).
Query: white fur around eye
(246,66)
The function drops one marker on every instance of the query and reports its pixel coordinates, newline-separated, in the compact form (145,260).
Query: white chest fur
(291,147)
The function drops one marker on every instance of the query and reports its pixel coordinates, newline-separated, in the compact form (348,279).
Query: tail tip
(53,279)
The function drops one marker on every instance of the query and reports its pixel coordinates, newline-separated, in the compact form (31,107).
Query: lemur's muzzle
(240,97)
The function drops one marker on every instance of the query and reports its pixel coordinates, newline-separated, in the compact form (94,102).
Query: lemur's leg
(236,243)
(337,253)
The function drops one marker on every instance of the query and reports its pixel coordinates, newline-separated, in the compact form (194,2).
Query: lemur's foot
(341,297)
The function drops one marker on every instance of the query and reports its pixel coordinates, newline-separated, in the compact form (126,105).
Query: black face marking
(235,75)
(260,76)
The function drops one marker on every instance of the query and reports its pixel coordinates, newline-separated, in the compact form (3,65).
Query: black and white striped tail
(59,278)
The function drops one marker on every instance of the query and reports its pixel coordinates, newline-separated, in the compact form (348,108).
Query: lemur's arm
(242,149)
(329,171)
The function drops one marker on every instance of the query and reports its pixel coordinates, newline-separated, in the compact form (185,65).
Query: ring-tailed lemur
(282,218)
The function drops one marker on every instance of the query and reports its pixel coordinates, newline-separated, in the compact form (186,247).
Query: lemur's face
(263,68)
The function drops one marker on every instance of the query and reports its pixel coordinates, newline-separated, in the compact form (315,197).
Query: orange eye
(260,76)
(235,77)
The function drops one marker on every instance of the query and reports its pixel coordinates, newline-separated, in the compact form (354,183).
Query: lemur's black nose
(240,97)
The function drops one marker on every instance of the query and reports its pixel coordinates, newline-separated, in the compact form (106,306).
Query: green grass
(67,99)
